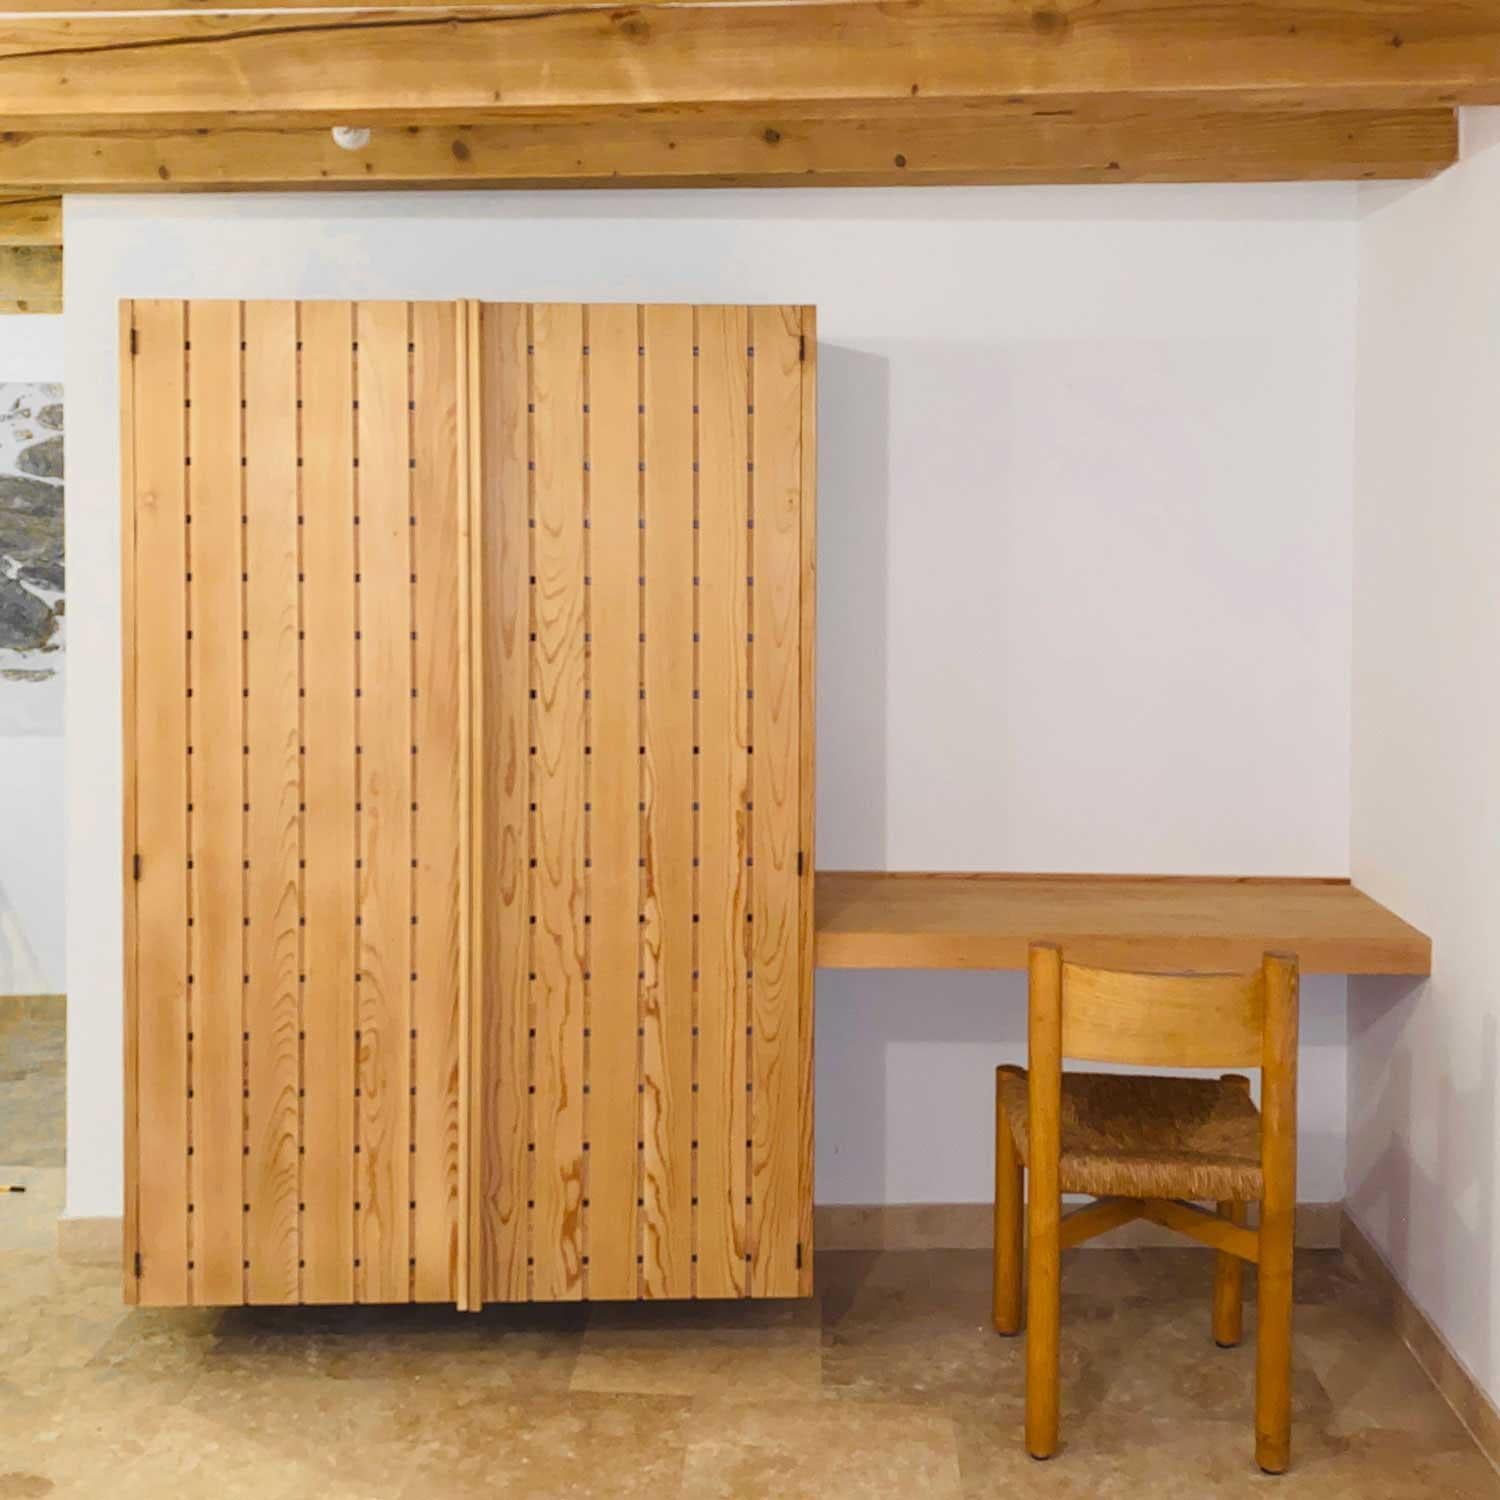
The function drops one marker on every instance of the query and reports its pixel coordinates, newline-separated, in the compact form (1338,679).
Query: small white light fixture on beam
(351,137)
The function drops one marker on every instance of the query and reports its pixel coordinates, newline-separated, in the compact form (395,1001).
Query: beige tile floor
(889,1383)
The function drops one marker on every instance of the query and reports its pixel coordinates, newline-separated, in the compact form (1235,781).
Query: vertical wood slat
(437,1126)
(776,1050)
(382,1152)
(614,605)
(807,735)
(558,781)
(502,718)
(330,1017)
(157,471)
(130,1236)
(217,819)
(725,874)
(667,994)
(469,1291)
(274,794)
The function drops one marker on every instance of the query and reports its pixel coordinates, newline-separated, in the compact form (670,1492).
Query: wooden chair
(1150,1147)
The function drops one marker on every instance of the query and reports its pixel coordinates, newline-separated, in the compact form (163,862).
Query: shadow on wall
(854,504)
(20,973)
(1425,1216)
(906,1081)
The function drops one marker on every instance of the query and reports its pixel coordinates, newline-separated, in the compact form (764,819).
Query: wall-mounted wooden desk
(874,920)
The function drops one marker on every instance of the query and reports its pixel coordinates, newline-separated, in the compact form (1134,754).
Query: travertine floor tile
(739,1448)
(771,1349)
(32,1041)
(543,1447)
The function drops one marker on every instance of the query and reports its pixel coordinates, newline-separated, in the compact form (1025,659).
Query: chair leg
(1043,1316)
(1009,1238)
(1273,1356)
(1229,1285)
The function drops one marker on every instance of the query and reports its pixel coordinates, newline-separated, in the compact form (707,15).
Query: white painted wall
(1086,490)
(1424,1059)
(31,767)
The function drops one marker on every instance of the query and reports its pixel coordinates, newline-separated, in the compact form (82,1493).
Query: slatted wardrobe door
(643,785)
(296,683)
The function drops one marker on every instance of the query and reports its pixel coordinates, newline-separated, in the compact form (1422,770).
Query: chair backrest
(1170,1020)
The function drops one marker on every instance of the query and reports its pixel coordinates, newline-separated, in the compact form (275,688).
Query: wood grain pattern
(130,1237)
(31,276)
(502,717)
(804,144)
(614,732)
(871,919)
(669,794)
(1162,1020)
(217,820)
(330,1015)
(31,221)
(383,1174)
(776,1003)
(297,739)
(472,809)
(558,724)
(618,764)
(437,1017)
(725,870)
(807,763)
(157,1172)
(315,69)
(273,733)
(131,7)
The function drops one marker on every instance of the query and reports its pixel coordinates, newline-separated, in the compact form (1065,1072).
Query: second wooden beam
(907,143)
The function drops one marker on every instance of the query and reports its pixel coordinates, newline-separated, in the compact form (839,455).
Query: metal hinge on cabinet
(134,347)
(137,1265)
(802,348)
(136,866)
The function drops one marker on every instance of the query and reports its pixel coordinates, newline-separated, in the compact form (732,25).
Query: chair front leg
(1043,1319)
(1273,1341)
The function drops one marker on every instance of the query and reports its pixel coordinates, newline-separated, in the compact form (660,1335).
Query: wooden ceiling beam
(913,143)
(30,279)
(30,221)
(423,67)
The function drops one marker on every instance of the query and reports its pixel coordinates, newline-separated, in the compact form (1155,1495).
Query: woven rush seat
(1138,1137)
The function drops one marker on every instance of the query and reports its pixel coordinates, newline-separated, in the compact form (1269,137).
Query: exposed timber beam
(30,279)
(423,67)
(30,221)
(910,143)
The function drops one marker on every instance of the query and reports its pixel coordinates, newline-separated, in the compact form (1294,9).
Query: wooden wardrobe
(468,799)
